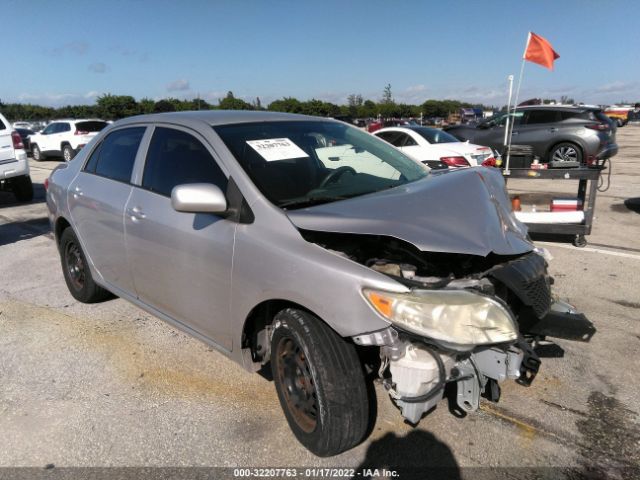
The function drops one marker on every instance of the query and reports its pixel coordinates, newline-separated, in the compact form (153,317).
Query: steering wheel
(335,174)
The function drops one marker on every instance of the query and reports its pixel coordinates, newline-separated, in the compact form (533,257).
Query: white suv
(64,138)
(14,168)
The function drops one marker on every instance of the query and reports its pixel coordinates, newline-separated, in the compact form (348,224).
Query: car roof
(414,128)
(77,120)
(221,117)
(565,108)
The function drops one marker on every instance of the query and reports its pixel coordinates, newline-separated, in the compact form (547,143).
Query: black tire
(76,270)
(36,154)
(68,153)
(320,383)
(22,188)
(620,122)
(565,151)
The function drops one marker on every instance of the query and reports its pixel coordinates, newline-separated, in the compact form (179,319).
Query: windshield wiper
(310,201)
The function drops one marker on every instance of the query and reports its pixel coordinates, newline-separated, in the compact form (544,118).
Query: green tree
(162,106)
(286,104)
(232,103)
(114,107)
(387,97)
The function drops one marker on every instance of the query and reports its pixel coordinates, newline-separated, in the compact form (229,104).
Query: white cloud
(98,67)
(58,99)
(179,85)
(75,47)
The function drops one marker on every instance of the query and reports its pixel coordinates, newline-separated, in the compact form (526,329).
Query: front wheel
(36,153)
(320,383)
(77,274)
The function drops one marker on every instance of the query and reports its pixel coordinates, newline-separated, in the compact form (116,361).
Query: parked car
(619,114)
(311,246)
(559,135)
(14,167)
(436,148)
(25,133)
(64,138)
(17,125)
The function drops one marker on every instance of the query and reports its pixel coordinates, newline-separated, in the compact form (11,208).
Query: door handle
(553,129)
(77,192)
(136,213)
(515,132)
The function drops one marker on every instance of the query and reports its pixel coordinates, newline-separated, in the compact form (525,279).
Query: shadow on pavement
(633,204)
(418,455)
(16,231)
(8,199)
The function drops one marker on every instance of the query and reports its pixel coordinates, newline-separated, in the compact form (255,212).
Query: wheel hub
(299,388)
(75,265)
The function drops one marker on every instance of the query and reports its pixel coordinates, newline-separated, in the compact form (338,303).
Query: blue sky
(69,52)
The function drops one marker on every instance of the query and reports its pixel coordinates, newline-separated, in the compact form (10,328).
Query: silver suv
(304,244)
(562,136)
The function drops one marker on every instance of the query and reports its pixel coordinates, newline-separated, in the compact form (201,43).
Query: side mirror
(198,198)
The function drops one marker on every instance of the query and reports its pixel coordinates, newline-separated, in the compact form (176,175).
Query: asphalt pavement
(108,385)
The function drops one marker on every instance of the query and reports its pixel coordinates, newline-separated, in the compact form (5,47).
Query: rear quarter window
(2,125)
(92,126)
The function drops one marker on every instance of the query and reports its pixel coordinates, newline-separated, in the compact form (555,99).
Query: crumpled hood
(463,211)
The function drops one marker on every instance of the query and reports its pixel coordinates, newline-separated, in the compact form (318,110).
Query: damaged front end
(467,319)
(478,296)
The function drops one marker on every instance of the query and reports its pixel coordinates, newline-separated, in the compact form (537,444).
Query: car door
(45,137)
(181,262)
(97,199)
(6,143)
(61,134)
(538,129)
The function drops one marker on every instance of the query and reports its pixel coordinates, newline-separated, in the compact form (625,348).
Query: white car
(436,148)
(64,138)
(14,168)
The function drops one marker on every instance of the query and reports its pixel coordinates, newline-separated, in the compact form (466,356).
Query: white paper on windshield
(273,149)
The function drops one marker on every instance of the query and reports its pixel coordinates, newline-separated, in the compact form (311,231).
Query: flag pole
(515,105)
(506,128)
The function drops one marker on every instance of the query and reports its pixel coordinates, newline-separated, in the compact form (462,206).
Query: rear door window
(175,158)
(542,116)
(116,154)
(63,127)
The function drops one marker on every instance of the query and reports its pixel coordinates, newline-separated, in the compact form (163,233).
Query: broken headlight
(455,317)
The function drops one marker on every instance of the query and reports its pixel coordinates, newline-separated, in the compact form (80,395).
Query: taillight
(455,161)
(81,132)
(601,127)
(46,183)
(17,140)
(489,162)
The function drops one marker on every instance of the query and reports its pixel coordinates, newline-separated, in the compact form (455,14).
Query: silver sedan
(309,245)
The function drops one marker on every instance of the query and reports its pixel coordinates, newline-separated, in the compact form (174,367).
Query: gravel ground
(108,385)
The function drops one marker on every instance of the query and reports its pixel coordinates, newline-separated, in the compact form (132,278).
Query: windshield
(297,164)
(433,135)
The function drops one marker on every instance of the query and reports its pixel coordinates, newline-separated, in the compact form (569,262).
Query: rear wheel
(22,188)
(620,122)
(68,153)
(76,270)
(565,152)
(36,153)
(320,383)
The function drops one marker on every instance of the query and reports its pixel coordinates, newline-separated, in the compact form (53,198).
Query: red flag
(539,51)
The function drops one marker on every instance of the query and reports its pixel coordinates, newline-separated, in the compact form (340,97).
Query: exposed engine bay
(415,368)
